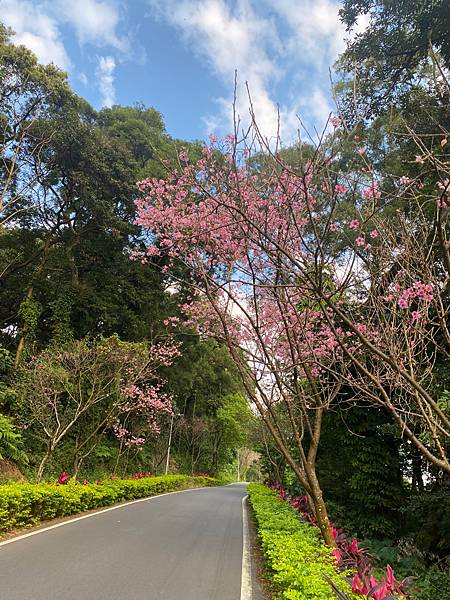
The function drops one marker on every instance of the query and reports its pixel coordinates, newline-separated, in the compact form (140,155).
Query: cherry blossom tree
(218,217)
(84,389)
(310,298)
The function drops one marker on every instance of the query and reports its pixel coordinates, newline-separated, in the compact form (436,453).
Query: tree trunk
(77,466)
(21,344)
(41,468)
(320,509)
(29,296)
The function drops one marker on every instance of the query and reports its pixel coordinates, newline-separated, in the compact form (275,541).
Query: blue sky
(180,56)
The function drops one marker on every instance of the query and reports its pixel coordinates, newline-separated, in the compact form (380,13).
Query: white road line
(94,514)
(246,576)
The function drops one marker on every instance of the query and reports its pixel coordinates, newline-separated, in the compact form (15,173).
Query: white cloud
(263,39)
(36,30)
(95,22)
(105,73)
(319,106)
(230,40)
(83,78)
(314,31)
(37,25)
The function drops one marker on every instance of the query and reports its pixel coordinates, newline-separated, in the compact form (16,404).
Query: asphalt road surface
(185,546)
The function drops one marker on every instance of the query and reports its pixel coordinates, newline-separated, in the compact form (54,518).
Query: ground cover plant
(290,537)
(298,561)
(27,504)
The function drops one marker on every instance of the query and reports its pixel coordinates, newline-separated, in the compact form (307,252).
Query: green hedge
(26,504)
(297,559)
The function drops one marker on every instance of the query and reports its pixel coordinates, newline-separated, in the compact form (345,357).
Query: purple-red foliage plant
(350,556)
(63,478)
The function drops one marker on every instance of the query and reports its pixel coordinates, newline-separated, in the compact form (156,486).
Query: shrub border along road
(27,504)
(298,561)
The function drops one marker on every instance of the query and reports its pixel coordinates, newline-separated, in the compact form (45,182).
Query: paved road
(185,546)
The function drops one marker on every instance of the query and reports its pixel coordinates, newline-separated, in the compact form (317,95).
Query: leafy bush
(26,504)
(434,584)
(298,560)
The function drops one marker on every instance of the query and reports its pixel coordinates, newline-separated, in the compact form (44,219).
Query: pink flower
(361,151)
(404,180)
(374,234)
(153,251)
(360,241)
(340,189)
(372,192)
(354,224)
(333,227)
(336,121)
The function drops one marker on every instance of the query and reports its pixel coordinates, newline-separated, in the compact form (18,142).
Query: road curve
(185,546)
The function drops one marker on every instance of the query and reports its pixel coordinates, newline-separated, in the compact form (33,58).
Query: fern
(10,441)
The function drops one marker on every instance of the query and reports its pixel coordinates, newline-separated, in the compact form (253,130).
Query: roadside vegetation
(297,561)
(27,504)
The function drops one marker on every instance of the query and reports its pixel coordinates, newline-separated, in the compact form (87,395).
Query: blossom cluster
(419,290)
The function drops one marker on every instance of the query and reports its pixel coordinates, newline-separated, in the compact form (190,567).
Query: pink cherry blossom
(336,121)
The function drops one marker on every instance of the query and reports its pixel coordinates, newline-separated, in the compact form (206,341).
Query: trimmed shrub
(298,561)
(26,504)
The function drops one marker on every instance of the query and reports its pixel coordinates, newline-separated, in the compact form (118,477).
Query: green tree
(390,54)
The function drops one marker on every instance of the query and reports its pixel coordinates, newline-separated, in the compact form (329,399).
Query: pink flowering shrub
(142,404)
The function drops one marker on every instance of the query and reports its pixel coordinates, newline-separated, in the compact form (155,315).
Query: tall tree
(389,55)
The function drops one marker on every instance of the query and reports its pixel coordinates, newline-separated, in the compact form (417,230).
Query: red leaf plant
(63,478)
(350,555)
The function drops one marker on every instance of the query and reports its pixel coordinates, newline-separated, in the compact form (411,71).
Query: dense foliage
(86,384)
